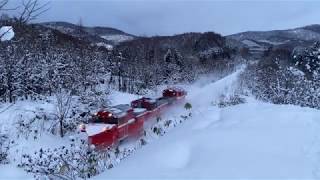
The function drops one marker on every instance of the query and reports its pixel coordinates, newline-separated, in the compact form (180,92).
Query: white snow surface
(107,46)
(139,110)
(10,114)
(250,43)
(96,128)
(9,172)
(117,38)
(6,33)
(296,71)
(252,140)
(271,42)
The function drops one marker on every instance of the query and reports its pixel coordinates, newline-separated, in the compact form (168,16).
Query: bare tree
(63,106)
(80,28)
(31,9)
(3,8)
(3,4)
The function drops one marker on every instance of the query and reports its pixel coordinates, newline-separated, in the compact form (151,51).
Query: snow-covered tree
(283,79)
(4,147)
(309,60)
(63,105)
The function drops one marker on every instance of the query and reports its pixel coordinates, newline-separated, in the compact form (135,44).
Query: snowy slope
(306,33)
(98,35)
(252,140)
(117,38)
(10,172)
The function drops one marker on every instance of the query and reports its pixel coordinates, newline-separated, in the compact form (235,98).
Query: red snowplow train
(111,125)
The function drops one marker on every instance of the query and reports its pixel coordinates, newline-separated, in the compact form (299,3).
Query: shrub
(225,101)
(79,160)
(4,148)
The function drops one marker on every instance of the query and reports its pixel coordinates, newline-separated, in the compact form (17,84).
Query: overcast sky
(166,17)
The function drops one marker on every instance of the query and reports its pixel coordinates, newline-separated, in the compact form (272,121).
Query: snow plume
(201,95)
(6,33)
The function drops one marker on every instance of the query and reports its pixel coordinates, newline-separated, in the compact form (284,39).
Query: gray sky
(167,17)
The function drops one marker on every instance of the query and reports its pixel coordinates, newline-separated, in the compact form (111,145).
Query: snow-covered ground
(251,140)
(10,172)
(12,114)
(6,33)
(271,42)
(117,38)
(107,46)
(250,43)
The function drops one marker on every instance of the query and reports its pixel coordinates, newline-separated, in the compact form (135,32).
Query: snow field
(252,140)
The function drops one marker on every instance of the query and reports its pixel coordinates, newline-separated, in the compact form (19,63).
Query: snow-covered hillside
(117,38)
(94,34)
(250,140)
(277,36)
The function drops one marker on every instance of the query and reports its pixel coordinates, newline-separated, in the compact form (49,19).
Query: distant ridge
(94,34)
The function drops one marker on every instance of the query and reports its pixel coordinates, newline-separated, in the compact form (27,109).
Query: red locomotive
(109,126)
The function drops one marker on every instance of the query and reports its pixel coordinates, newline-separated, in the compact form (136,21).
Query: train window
(112,121)
(97,119)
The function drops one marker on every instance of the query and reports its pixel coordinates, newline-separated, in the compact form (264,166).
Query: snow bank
(254,140)
(6,33)
(11,172)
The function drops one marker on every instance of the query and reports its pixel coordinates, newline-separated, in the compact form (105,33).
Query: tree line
(287,76)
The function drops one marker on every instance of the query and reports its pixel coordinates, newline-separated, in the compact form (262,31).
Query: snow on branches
(292,78)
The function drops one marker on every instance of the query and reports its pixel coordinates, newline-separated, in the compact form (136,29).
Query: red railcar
(111,125)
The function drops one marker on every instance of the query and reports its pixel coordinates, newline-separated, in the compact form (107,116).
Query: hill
(92,34)
(260,41)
